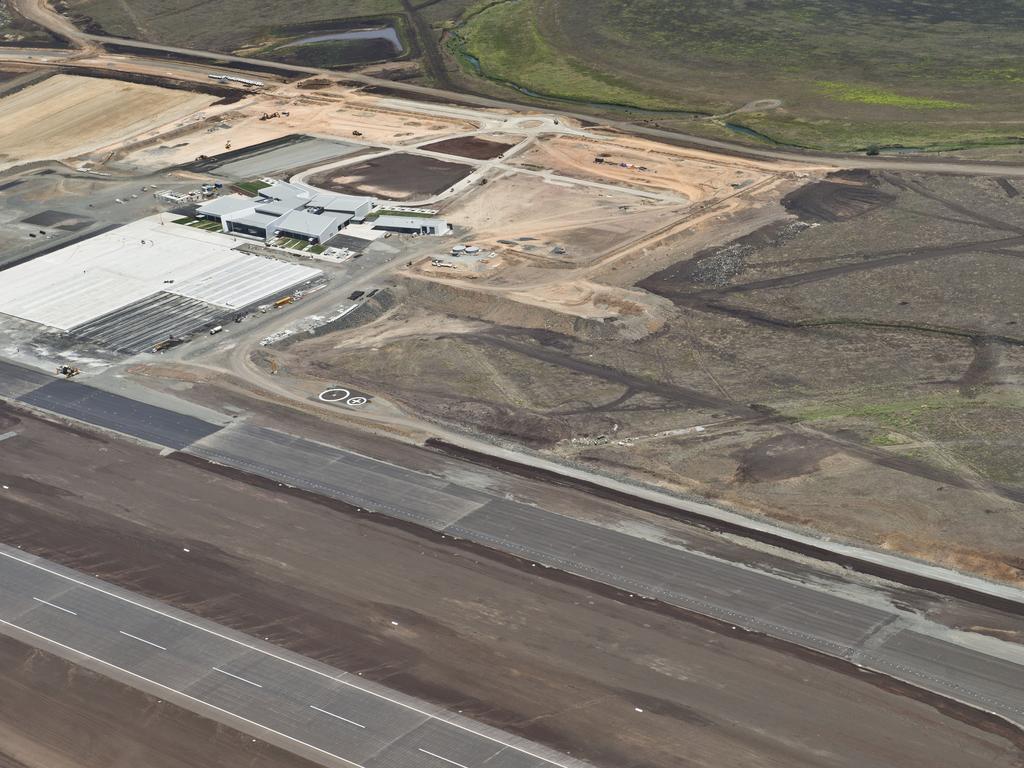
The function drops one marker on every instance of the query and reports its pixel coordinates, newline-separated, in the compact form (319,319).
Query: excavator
(67,371)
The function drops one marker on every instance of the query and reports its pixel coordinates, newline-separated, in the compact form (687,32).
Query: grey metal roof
(221,206)
(346,203)
(284,191)
(311,224)
(254,219)
(275,208)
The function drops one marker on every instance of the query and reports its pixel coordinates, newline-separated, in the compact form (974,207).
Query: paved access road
(874,633)
(310,708)
(121,414)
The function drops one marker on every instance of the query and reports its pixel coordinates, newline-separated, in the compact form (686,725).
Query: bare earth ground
(470,146)
(695,175)
(54,714)
(542,655)
(854,367)
(330,112)
(67,115)
(394,177)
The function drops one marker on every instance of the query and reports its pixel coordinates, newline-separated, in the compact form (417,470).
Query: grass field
(849,73)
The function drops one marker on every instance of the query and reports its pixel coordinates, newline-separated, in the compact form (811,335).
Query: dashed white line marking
(8,436)
(230,674)
(452,762)
(141,639)
(175,691)
(59,608)
(265,652)
(339,717)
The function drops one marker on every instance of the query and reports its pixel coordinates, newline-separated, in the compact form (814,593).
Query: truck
(216,329)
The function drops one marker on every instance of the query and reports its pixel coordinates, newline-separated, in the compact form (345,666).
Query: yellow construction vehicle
(67,371)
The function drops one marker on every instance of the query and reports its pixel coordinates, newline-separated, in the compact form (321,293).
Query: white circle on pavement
(357,401)
(332,395)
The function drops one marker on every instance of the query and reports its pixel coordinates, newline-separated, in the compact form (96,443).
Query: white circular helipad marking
(357,401)
(332,395)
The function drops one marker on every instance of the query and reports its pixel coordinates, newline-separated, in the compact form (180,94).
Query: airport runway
(301,705)
(874,633)
(877,636)
(120,414)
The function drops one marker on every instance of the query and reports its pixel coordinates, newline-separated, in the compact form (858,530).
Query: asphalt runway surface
(121,414)
(982,672)
(310,708)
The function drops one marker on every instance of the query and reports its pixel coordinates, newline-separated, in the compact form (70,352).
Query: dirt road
(580,668)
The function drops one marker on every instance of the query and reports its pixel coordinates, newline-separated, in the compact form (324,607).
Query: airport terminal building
(286,209)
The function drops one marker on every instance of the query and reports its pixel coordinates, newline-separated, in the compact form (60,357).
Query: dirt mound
(781,457)
(843,195)
(495,308)
(314,84)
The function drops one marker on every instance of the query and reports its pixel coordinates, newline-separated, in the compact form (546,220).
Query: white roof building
(414,225)
(284,208)
(305,212)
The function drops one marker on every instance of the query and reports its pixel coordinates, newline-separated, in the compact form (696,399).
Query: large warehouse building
(134,286)
(287,209)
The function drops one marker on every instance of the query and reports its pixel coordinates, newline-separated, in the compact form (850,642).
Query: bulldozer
(67,371)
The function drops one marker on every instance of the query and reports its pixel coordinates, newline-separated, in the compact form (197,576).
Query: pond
(381,33)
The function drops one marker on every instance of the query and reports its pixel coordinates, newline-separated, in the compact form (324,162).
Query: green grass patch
(866,94)
(196,223)
(411,214)
(850,74)
(510,48)
(892,413)
(251,187)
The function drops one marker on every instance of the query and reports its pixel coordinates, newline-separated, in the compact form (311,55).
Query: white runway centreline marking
(229,674)
(47,602)
(184,695)
(452,762)
(264,652)
(350,722)
(141,639)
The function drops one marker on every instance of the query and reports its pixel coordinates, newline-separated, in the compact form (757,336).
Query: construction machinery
(67,371)
(170,341)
